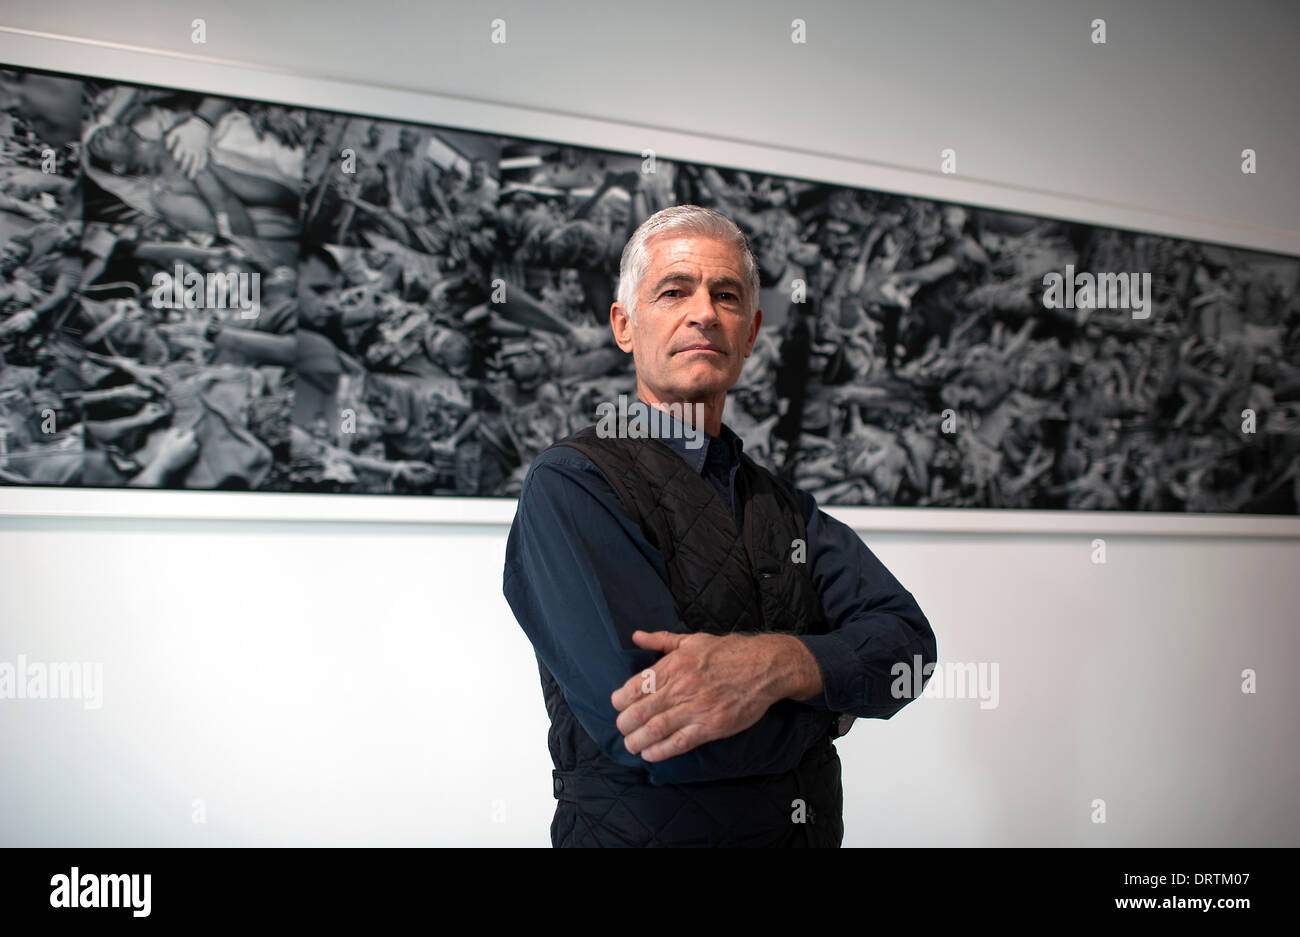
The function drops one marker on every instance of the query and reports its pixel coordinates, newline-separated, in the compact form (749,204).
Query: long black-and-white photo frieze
(208,293)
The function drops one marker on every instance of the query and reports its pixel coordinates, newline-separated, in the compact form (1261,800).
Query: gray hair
(682,220)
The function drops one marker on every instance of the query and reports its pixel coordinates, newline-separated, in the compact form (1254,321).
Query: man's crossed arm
(581,580)
(708,687)
(580,575)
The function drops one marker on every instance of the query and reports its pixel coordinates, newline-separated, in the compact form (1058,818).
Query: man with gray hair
(703,631)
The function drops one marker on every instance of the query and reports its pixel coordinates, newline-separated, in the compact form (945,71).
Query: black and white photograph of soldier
(385,395)
(459,268)
(40,273)
(40,150)
(450,316)
(907,355)
(40,417)
(922,315)
(368,182)
(192,164)
(188,362)
(40,270)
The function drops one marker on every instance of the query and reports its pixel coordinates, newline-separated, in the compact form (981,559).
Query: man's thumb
(657,640)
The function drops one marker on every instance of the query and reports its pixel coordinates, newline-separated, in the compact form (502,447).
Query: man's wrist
(799,676)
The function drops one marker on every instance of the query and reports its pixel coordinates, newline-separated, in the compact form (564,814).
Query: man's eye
(666,292)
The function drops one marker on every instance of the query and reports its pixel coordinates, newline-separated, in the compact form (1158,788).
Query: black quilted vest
(722,580)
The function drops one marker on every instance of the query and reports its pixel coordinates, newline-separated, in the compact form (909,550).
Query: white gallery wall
(328,682)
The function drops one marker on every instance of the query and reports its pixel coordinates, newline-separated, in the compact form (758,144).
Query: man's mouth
(703,346)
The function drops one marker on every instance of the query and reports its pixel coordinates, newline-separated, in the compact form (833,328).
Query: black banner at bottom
(167,886)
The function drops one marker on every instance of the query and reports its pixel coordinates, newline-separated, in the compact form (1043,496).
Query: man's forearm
(211,110)
(711,690)
(259,346)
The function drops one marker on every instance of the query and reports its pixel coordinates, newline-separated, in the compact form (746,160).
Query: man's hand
(188,144)
(414,473)
(708,687)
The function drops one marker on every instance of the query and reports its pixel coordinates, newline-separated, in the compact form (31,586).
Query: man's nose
(702,312)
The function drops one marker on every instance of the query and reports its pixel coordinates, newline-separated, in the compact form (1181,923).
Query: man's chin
(703,386)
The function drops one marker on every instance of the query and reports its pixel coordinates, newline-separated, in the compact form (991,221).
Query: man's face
(11,258)
(112,144)
(693,330)
(407,139)
(954,219)
(571,285)
(316,282)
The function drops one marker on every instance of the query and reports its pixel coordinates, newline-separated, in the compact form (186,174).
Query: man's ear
(753,334)
(621,325)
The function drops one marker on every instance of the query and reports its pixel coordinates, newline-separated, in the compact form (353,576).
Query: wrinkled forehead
(692,255)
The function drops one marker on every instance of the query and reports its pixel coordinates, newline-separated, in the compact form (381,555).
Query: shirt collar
(676,438)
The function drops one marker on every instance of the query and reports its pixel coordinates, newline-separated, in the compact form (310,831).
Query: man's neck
(709,407)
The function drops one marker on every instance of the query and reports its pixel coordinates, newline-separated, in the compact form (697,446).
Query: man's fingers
(658,640)
(649,680)
(177,149)
(641,710)
(656,729)
(638,686)
(689,736)
(657,716)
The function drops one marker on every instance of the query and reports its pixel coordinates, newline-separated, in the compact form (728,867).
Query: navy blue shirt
(580,577)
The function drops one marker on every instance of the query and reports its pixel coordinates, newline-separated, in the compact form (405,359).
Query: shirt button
(559,786)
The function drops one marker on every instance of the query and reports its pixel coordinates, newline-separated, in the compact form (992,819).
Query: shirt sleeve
(874,623)
(580,577)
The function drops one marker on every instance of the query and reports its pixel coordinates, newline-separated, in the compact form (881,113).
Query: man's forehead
(686,253)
